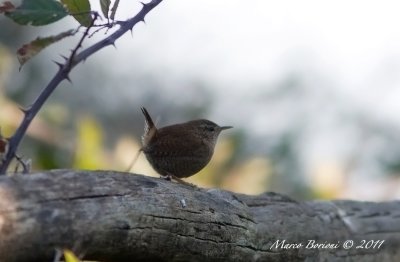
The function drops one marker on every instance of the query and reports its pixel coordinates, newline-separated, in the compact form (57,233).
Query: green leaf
(27,51)
(105,7)
(114,9)
(37,12)
(80,10)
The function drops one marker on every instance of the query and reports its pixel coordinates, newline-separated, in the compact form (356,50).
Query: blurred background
(311,87)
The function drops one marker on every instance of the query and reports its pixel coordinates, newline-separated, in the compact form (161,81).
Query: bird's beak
(225,127)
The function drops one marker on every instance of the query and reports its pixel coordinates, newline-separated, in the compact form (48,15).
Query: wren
(180,150)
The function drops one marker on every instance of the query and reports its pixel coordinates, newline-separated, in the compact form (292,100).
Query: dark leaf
(27,51)
(37,12)
(105,7)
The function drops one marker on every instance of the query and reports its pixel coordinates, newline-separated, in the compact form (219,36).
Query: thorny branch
(63,74)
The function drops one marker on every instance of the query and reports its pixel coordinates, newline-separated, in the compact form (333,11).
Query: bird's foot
(169,177)
(183,182)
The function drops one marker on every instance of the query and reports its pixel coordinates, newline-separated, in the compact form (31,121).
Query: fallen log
(113,216)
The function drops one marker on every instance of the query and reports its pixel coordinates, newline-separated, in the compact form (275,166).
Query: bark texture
(111,216)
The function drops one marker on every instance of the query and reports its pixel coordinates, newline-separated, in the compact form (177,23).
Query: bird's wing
(178,145)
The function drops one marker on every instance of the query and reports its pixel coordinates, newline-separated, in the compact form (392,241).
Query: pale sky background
(354,44)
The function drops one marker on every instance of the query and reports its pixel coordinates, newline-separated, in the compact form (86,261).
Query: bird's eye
(210,128)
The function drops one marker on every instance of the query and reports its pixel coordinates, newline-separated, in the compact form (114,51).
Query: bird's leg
(183,182)
(169,177)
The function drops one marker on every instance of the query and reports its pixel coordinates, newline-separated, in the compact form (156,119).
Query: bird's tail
(150,130)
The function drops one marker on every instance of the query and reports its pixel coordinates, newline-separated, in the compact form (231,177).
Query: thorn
(68,79)
(65,58)
(24,110)
(143,4)
(112,42)
(60,65)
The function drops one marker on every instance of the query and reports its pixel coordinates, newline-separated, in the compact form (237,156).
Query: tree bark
(112,216)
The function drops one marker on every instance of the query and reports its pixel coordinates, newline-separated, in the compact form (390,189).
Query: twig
(63,74)
(134,160)
(114,9)
(79,45)
(26,165)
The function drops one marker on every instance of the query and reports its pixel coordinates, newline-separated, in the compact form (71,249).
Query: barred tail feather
(150,129)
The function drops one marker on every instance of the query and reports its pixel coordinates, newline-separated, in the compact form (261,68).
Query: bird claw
(171,177)
(167,177)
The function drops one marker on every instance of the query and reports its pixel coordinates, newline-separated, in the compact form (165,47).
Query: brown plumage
(179,150)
